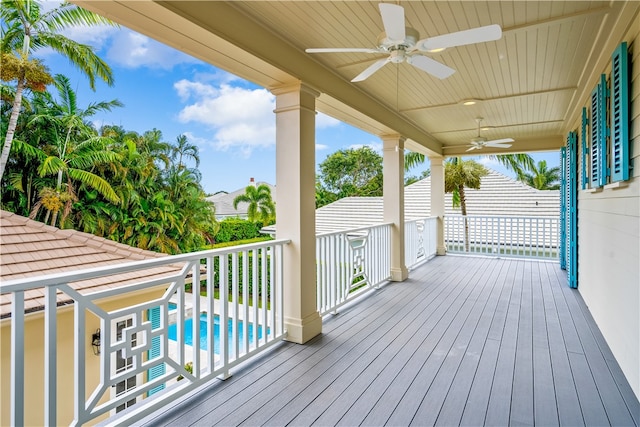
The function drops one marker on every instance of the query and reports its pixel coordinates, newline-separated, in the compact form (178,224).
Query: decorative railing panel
(143,359)
(349,263)
(530,237)
(420,241)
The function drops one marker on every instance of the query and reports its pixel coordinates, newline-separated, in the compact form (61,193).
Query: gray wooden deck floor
(464,341)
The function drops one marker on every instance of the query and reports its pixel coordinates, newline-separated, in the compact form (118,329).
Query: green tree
(408,180)
(518,163)
(543,178)
(25,30)
(458,175)
(261,207)
(351,172)
(184,149)
(74,148)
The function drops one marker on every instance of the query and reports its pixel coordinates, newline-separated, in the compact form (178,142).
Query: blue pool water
(188,332)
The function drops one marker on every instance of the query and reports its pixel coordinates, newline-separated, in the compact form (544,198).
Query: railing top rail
(27,283)
(503,216)
(354,230)
(420,218)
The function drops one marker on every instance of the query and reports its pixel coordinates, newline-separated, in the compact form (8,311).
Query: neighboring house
(28,249)
(498,195)
(223,202)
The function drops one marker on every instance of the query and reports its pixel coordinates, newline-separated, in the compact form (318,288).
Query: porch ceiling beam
(532,145)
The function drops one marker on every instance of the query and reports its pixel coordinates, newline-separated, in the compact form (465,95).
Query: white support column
(437,200)
(295,207)
(393,196)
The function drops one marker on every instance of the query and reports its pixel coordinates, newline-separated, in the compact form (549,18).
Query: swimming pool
(188,332)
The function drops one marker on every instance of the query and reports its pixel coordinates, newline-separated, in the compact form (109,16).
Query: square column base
(399,274)
(441,251)
(301,331)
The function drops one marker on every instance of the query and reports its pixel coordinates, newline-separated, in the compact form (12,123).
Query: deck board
(464,341)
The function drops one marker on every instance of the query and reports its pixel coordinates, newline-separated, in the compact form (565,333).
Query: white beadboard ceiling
(528,84)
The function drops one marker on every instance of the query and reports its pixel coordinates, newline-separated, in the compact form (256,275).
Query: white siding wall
(609,247)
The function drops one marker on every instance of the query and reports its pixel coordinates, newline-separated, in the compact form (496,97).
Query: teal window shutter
(572,214)
(154,315)
(598,110)
(563,207)
(585,149)
(620,114)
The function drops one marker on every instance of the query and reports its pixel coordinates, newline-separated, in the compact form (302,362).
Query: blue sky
(231,120)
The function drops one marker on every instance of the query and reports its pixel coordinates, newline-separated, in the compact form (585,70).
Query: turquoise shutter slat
(572,220)
(585,149)
(620,114)
(155,351)
(563,208)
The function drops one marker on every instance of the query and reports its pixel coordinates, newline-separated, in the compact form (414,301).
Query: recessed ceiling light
(469,102)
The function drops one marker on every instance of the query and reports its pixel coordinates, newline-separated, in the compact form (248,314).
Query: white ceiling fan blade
(461,38)
(497,145)
(431,66)
(474,147)
(371,69)
(341,49)
(499,141)
(393,21)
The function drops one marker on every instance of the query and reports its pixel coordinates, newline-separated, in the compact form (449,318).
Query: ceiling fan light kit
(403,43)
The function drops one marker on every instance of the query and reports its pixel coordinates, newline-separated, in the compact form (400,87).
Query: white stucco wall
(609,246)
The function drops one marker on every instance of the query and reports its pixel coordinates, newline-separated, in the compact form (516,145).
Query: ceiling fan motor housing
(410,39)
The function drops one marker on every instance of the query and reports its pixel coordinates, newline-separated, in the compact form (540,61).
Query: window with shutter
(620,114)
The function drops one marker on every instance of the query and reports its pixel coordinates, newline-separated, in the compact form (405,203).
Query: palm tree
(74,148)
(184,149)
(518,163)
(543,178)
(261,207)
(458,175)
(25,30)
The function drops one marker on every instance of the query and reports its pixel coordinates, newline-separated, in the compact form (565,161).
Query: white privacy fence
(420,240)
(137,353)
(531,237)
(349,263)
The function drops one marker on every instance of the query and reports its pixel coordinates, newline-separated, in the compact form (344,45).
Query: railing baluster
(51,356)
(17,359)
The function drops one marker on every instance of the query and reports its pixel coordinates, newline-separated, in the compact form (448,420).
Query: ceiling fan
(404,44)
(479,142)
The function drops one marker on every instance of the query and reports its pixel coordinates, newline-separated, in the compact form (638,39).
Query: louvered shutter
(563,208)
(572,211)
(598,110)
(159,369)
(620,114)
(584,166)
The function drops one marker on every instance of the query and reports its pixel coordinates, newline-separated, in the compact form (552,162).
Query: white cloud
(242,119)
(486,161)
(323,121)
(320,147)
(133,50)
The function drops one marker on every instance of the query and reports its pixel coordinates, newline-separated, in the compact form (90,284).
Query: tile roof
(30,248)
(498,195)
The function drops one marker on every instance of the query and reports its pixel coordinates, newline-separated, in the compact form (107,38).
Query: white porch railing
(420,241)
(530,237)
(249,276)
(349,263)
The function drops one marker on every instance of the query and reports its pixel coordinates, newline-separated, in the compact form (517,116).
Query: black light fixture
(95,342)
